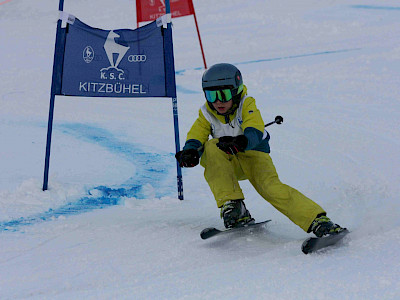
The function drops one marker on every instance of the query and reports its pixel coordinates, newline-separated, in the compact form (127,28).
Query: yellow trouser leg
(260,170)
(220,171)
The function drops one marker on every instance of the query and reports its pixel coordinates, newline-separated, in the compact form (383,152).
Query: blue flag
(117,63)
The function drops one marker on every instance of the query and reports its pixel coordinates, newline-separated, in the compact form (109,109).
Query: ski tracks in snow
(148,180)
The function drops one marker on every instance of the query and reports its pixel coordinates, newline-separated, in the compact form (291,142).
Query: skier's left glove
(232,144)
(188,158)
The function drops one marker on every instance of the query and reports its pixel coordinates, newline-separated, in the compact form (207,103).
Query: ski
(212,231)
(313,244)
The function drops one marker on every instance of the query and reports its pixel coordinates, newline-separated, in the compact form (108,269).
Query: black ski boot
(323,226)
(235,214)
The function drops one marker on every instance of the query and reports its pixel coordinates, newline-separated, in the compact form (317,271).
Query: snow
(330,68)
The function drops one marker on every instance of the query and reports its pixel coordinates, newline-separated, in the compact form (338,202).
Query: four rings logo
(137,58)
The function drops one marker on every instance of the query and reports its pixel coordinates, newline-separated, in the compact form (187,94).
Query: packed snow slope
(111,227)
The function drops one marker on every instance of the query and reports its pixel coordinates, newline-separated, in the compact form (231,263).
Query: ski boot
(235,214)
(323,226)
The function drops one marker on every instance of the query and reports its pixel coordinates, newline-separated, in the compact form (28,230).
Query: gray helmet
(222,76)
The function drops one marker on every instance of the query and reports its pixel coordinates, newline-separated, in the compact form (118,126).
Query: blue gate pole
(170,58)
(177,147)
(52,98)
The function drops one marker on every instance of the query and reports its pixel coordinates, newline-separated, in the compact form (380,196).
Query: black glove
(188,158)
(232,144)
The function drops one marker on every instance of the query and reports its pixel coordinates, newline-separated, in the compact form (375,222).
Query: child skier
(239,150)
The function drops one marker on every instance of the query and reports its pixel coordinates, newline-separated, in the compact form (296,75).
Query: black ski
(314,243)
(212,231)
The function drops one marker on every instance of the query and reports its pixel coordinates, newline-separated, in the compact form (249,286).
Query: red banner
(149,10)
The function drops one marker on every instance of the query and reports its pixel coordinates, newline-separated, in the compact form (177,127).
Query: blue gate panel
(115,63)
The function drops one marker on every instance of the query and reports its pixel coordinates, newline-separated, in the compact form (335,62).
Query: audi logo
(137,58)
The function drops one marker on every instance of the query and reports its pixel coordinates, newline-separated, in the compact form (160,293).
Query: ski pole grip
(278,120)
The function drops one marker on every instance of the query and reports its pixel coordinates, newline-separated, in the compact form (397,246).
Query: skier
(239,150)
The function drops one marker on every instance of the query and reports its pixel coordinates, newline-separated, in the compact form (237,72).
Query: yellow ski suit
(224,171)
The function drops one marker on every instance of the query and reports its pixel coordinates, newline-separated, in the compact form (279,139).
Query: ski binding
(212,231)
(314,244)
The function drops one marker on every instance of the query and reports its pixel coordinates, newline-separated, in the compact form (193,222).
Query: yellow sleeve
(201,129)
(251,115)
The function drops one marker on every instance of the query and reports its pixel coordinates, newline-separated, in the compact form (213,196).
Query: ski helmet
(225,77)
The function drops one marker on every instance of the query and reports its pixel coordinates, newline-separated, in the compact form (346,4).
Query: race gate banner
(92,62)
(149,10)
(117,63)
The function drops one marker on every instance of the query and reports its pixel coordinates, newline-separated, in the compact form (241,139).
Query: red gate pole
(138,13)
(198,32)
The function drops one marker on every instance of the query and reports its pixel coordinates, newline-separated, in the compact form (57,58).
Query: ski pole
(278,120)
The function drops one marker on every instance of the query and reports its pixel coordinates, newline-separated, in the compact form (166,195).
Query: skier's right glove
(232,144)
(188,158)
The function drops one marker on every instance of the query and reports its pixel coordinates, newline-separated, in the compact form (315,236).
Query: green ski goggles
(223,95)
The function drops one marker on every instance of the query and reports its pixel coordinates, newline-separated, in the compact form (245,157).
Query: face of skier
(222,107)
